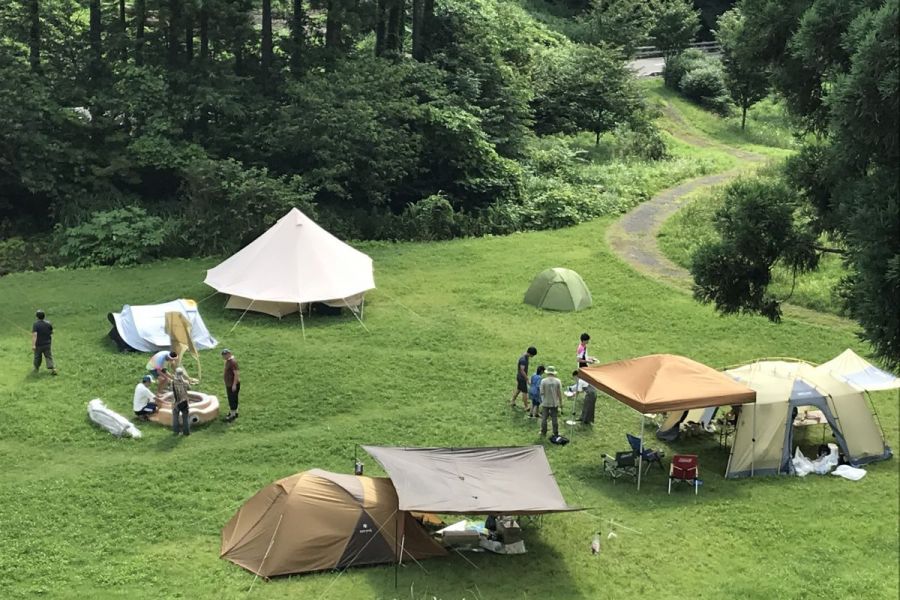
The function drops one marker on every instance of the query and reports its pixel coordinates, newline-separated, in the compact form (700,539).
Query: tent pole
(397,561)
(302,324)
(641,455)
(347,304)
(752,441)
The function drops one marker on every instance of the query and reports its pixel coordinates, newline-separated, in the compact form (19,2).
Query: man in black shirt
(41,334)
(522,377)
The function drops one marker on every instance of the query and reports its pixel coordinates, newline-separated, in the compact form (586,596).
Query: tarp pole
(641,454)
(355,314)
(302,324)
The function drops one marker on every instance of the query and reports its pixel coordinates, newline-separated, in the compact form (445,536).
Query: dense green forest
(178,127)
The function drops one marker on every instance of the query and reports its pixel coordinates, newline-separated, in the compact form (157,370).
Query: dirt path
(633,237)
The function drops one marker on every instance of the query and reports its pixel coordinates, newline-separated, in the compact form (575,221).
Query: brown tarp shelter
(509,481)
(317,520)
(663,383)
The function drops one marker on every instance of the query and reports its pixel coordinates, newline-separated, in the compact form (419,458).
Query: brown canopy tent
(317,520)
(509,481)
(665,382)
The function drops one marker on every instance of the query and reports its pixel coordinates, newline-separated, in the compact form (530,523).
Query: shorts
(522,384)
(155,373)
(535,401)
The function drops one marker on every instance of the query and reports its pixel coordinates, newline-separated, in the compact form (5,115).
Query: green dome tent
(558,289)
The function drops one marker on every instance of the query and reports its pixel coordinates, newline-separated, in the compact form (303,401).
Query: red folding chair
(685,468)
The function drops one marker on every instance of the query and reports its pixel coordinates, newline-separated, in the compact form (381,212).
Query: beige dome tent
(316,520)
(763,439)
(292,264)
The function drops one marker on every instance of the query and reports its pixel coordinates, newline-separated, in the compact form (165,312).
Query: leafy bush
(431,218)
(678,66)
(31,254)
(706,85)
(226,205)
(123,236)
(699,77)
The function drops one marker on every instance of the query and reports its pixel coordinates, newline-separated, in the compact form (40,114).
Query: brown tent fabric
(510,481)
(316,520)
(666,382)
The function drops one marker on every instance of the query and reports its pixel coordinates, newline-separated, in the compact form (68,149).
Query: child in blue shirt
(534,392)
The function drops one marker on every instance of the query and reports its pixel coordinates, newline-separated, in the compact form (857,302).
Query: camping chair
(620,466)
(648,456)
(684,467)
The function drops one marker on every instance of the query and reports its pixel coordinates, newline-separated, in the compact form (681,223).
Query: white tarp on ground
(293,263)
(144,327)
(110,420)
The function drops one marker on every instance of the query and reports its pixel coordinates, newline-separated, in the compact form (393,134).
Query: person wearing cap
(232,384)
(551,400)
(156,367)
(41,334)
(144,400)
(522,378)
(180,408)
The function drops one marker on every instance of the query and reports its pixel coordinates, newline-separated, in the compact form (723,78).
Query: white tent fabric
(144,327)
(858,372)
(294,262)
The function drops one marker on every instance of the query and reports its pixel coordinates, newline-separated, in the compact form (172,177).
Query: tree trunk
(96,60)
(417,29)
(298,36)
(173,32)
(743,116)
(34,35)
(427,24)
(333,24)
(140,15)
(380,27)
(597,138)
(189,37)
(265,50)
(204,31)
(395,26)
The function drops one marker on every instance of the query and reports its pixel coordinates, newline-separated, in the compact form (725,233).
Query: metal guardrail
(654,52)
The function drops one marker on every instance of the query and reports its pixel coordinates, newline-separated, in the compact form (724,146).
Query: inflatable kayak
(110,420)
(202,408)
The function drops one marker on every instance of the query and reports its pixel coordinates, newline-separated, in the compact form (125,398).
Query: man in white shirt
(144,400)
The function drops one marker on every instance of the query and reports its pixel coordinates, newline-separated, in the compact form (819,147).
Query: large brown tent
(316,520)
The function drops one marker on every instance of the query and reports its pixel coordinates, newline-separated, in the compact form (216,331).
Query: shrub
(678,66)
(431,218)
(706,85)
(31,254)
(226,205)
(123,236)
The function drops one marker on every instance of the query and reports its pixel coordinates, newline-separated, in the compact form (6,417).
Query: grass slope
(84,514)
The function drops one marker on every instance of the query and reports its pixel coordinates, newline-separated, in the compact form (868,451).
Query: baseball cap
(146,378)
(226,351)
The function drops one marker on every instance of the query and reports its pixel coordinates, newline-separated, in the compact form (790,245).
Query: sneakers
(231,418)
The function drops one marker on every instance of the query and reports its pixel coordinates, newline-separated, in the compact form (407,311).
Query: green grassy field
(84,514)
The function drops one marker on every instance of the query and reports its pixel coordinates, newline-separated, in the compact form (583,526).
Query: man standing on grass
(41,334)
(551,400)
(232,384)
(522,378)
(181,412)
